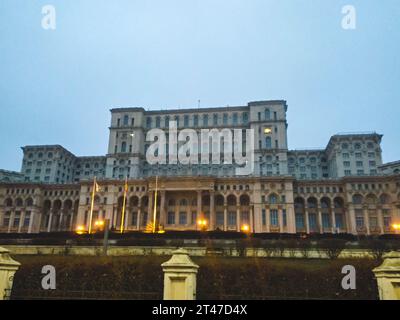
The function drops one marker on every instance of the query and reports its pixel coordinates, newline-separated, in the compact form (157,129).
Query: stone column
(180,274)
(162,209)
(333,219)
(199,213)
(380,220)
(280,220)
(212,210)
(8,267)
(51,221)
(352,219)
(11,222)
(388,277)
(366,219)
(150,208)
(21,220)
(139,214)
(267,218)
(31,222)
(251,212)
(225,216)
(307,220)
(237,216)
(321,229)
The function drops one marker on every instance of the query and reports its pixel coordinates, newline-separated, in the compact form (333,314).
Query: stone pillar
(251,220)
(212,210)
(139,213)
(352,219)
(199,213)
(31,222)
(8,267)
(225,216)
(380,221)
(11,222)
(150,208)
(366,219)
(51,221)
(21,220)
(162,209)
(280,220)
(307,220)
(333,219)
(180,274)
(237,217)
(321,229)
(388,277)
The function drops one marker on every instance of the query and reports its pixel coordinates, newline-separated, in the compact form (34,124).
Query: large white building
(343,187)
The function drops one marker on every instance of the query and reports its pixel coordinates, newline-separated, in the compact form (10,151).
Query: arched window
(158,122)
(126,120)
(148,122)
(357,199)
(267,114)
(205,120)
(384,199)
(123,146)
(273,199)
(183,203)
(245,117)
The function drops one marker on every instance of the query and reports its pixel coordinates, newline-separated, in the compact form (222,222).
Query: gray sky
(57,86)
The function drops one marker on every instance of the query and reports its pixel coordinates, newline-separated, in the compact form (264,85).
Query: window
(346,163)
(267,114)
(347,172)
(358,155)
(195,120)
(245,118)
(148,122)
(326,222)
(284,218)
(299,221)
(235,118)
(357,146)
(186,120)
(264,217)
(205,120)
(171,218)
(225,119)
(220,218)
(182,218)
(273,199)
(268,142)
(215,119)
(372,163)
(274,217)
(345,156)
(359,163)
(232,218)
(158,122)
(126,120)
(123,147)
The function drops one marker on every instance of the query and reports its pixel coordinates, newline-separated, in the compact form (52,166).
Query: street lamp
(80,230)
(202,224)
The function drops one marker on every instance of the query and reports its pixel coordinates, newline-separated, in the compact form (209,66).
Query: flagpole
(124,206)
(91,206)
(155,207)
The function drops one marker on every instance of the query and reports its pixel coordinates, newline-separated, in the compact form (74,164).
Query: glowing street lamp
(80,230)
(202,224)
(396,227)
(245,228)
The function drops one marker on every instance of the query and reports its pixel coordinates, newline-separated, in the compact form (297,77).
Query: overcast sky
(57,86)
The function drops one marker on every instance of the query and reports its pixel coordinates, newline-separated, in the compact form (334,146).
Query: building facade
(343,188)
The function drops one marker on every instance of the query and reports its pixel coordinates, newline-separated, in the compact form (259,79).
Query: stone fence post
(8,267)
(180,274)
(388,277)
